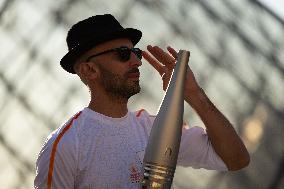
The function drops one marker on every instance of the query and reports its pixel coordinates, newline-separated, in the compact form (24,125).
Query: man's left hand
(164,63)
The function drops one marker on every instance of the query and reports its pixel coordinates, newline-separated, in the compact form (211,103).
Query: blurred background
(237,55)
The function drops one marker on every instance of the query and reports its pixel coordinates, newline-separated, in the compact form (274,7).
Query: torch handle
(163,145)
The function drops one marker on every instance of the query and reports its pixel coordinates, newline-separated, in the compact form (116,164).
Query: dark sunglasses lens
(124,54)
(138,52)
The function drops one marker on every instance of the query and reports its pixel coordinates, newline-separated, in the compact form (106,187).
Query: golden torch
(162,150)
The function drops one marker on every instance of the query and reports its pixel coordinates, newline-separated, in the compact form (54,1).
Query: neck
(109,105)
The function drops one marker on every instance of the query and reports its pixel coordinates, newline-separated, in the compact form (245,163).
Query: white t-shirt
(96,151)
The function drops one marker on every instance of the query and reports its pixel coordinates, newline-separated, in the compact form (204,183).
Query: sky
(276,5)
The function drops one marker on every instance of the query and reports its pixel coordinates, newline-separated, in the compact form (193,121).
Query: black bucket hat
(92,31)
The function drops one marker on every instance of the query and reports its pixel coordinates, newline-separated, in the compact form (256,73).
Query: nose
(134,61)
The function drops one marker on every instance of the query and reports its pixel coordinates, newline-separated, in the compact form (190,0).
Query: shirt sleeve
(197,151)
(64,158)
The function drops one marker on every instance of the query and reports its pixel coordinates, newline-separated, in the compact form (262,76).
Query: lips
(133,75)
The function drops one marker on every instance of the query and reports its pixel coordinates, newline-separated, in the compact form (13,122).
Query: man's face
(120,84)
(118,78)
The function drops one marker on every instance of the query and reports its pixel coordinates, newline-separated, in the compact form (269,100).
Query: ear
(89,70)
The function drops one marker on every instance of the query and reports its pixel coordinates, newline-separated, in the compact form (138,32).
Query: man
(103,145)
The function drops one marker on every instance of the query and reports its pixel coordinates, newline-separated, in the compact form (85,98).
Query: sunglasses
(123,53)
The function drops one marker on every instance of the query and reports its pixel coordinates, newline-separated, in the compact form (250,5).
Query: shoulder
(143,115)
(63,136)
(68,130)
(58,149)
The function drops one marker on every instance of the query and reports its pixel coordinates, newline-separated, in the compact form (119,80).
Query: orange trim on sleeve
(139,112)
(54,148)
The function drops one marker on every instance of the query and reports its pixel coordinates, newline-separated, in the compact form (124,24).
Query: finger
(153,62)
(173,52)
(162,56)
(166,78)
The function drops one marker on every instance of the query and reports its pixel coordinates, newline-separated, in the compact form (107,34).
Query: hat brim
(68,61)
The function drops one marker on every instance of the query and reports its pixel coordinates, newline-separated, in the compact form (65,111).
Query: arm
(60,173)
(223,137)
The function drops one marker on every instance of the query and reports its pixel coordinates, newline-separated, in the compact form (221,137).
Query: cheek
(120,72)
(114,67)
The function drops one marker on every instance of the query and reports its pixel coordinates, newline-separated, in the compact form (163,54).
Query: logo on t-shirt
(135,175)
(136,167)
